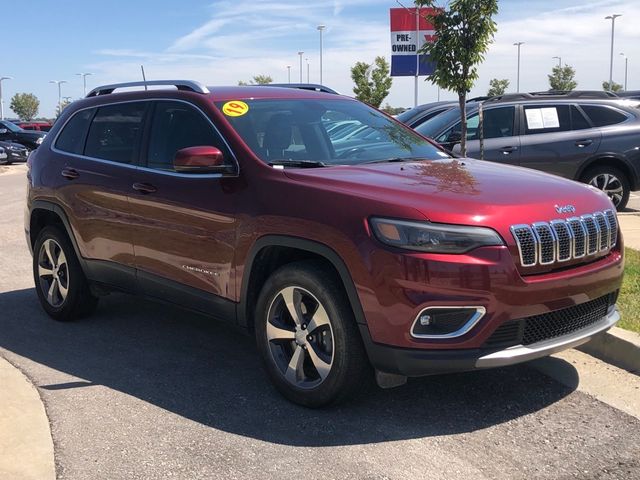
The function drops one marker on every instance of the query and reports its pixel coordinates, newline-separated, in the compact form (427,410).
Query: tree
(25,105)
(497,87)
(561,78)
(60,108)
(373,82)
(462,36)
(257,80)
(392,110)
(615,87)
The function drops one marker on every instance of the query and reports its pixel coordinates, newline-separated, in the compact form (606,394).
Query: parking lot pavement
(143,390)
(634,203)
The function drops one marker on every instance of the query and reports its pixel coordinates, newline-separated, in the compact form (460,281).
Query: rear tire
(61,285)
(611,181)
(307,336)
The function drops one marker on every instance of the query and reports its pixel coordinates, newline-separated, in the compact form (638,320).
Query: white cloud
(244,38)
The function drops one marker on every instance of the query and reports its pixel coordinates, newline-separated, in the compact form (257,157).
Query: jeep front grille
(545,243)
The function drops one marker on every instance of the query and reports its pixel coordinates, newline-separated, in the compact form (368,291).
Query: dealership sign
(409,32)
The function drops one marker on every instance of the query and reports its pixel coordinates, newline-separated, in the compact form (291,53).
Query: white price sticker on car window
(540,118)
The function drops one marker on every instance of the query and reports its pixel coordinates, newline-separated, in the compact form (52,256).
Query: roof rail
(553,94)
(300,86)
(187,85)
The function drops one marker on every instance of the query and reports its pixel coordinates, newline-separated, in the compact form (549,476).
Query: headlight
(432,237)
(39,140)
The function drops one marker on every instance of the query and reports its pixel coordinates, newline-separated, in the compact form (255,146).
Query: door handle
(508,150)
(144,188)
(584,143)
(69,173)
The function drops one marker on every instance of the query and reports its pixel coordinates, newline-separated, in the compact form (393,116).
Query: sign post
(410,30)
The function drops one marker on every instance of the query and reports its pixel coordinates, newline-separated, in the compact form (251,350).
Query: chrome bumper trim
(521,353)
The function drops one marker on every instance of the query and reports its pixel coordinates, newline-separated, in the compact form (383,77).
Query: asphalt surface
(144,390)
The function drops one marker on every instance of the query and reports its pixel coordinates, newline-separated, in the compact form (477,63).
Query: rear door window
(602,116)
(73,134)
(116,131)
(578,120)
(546,119)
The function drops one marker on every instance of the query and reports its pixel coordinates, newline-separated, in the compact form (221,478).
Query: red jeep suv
(339,252)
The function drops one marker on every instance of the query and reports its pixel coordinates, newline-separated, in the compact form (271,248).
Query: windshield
(10,126)
(436,124)
(325,131)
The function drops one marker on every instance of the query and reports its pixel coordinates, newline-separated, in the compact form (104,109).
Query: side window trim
(137,166)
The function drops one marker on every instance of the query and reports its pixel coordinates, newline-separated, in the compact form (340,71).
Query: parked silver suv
(595,141)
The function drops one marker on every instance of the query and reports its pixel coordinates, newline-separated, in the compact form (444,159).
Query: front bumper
(418,362)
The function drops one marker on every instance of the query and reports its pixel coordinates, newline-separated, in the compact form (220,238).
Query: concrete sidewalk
(630,226)
(26,447)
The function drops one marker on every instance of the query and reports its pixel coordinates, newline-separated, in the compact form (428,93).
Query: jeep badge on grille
(565,208)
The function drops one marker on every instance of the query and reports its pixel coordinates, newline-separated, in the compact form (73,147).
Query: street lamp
(59,83)
(307,69)
(288,73)
(559,61)
(613,27)
(518,44)
(1,100)
(84,81)
(300,54)
(320,29)
(626,69)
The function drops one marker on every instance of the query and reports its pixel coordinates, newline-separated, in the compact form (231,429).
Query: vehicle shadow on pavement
(209,373)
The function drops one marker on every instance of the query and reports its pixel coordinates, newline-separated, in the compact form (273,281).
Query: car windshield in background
(319,132)
(434,125)
(10,126)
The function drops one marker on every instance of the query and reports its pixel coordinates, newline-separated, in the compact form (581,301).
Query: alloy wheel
(300,337)
(609,184)
(53,273)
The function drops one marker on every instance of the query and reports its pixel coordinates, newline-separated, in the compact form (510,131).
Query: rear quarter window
(602,116)
(73,134)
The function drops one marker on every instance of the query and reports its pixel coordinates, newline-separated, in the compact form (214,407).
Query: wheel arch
(272,252)
(44,213)
(614,161)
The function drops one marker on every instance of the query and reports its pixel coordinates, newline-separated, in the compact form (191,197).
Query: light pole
(59,83)
(288,73)
(626,69)
(320,29)
(84,81)
(613,28)
(518,44)
(300,54)
(307,69)
(1,99)
(559,61)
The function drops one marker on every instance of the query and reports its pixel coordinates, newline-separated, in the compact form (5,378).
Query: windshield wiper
(396,160)
(290,162)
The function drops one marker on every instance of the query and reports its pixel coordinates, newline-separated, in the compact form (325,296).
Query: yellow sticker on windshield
(235,108)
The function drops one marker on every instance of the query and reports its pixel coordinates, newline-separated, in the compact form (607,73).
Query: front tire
(307,336)
(611,181)
(61,285)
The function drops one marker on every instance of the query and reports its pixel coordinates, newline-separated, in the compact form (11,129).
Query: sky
(222,42)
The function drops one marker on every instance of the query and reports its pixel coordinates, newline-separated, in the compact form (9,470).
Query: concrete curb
(618,347)
(25,437)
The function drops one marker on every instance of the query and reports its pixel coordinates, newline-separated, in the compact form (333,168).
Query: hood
(462,191)
(34,135)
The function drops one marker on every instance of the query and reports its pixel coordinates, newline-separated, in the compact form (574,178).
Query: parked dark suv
(12,133)
(338,257)
(590,140)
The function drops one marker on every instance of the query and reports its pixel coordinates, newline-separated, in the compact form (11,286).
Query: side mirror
(202,159)
(3,131)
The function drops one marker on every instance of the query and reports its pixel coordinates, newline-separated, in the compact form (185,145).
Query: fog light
(446,322)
